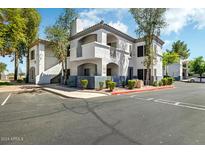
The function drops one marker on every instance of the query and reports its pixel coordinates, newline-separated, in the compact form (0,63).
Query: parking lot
(174,116)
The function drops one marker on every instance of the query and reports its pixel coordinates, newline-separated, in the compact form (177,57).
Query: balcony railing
(113,52)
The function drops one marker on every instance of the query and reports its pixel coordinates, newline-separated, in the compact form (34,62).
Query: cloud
(177,19)
(90,17)
(120,26)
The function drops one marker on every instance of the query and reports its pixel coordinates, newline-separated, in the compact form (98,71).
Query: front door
(140,74)
(109,72)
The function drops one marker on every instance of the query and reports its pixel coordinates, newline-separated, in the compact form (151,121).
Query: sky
(183,24)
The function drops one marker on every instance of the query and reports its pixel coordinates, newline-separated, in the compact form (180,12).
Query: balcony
(91,51)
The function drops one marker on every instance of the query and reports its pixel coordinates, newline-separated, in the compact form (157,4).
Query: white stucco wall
(50,59)
(175,70)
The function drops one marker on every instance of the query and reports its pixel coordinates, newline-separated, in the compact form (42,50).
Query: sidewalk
(18,88)
(72,92)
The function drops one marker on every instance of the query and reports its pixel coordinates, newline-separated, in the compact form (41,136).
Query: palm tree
(181,49)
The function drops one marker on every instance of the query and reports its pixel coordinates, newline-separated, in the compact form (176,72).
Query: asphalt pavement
(174,116)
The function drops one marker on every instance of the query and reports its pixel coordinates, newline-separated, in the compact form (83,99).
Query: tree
(2,68)
(18,31)
(169,58)
(181,48)
(33,19)
(149,21)
(197,66)
(59,35)
(13,35)
(58,42)
(65,20)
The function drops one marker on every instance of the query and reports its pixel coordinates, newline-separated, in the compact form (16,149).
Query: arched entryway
(112,69)
(87,69)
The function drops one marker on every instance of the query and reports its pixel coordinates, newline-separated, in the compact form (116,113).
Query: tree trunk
(16,66)
(200,77)
(166,70)
(66,72)
(27,66)
(62,73)
(147,76)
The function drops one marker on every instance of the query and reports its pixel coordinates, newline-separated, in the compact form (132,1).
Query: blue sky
(183,24)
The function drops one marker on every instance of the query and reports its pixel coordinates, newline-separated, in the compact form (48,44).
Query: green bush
(106,83)
(131,84)
(84,83)
(164,81)
(5,83)
(170,80)
(101,84)
(19,81)
(123,84)
(155,84)
(160,83)
(111,85)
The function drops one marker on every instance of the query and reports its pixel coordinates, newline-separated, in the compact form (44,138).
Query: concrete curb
(142,90)
(56,93)
(78,90)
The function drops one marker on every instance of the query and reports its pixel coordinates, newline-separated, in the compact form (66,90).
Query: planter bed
(144,89)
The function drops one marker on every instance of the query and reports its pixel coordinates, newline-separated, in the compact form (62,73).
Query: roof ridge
(101,24)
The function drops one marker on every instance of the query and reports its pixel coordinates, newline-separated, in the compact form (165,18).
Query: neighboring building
(179,71)
(97,53)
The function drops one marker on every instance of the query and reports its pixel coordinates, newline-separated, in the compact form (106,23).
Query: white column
(102,37)
(41,58)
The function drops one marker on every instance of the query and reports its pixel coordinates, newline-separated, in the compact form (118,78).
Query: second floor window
(32,54)
(140,51)
(68,51)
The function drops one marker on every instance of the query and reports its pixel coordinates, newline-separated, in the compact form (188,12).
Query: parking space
(174,116)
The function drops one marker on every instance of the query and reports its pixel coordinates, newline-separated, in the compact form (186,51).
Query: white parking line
(4,102)
(174,103)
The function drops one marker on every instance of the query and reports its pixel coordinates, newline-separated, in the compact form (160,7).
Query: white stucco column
(102,37)
(103,68)
(73,69)
(41,58)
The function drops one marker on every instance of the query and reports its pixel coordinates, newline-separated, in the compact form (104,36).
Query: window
(155,49)
(130,49)
(140,51)
(32,54)
(68,51)
(112,44)
(86,72)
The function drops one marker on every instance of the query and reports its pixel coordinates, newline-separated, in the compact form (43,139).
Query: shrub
(164,81)
(123,84)
(155,84)
(131,84)
(170,80)
(160,83)
(101,84)
(107,83)
(5,83)
(111,85)
(19,81)
(84,83)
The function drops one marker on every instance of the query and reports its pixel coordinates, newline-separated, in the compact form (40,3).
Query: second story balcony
(89,48)
(92,50)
